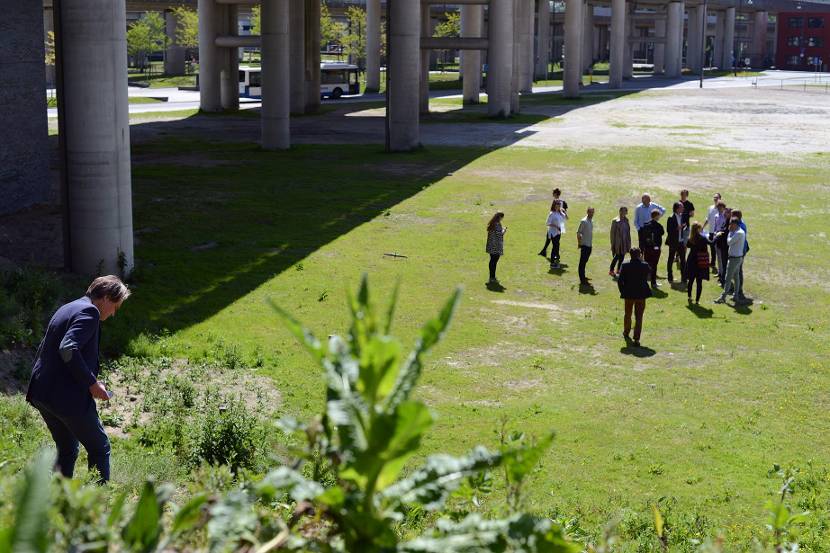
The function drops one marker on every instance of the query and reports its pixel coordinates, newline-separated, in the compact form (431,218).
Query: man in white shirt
(711,223)
(585,240)
(642,213)
(736,239)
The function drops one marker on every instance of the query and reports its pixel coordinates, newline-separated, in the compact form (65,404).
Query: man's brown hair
(109,287)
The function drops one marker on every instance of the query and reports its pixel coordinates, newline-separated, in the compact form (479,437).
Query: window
(793,41)
(793,60)
(796,22)
(256,79)
(241,76)
(334,77)
(815,22)
(815,42)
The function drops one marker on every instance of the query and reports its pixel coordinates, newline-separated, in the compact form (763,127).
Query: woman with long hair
(698,262)
(495,243)
(556,227)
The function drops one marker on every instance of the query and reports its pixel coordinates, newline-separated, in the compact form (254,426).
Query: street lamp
(703,42)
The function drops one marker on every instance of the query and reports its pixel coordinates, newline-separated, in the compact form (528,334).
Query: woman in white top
(556,227)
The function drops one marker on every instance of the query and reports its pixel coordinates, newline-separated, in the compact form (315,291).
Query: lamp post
(703,43)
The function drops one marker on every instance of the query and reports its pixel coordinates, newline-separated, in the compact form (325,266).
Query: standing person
(584,241)
(65,376)
(642,213)
(495,243)
(556,194)
(697,264)
(736,239)
(711,220)
(720,243)
(620,240)
(688,207)
(675,230)
(633,285)
(556,227)
(739,293)
(651,237)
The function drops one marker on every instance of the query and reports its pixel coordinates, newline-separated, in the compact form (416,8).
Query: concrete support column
(660,48)
(471,23)
(296,41)
(173,54)
(517,60)
(276,101)
(209,97)
(693,41)
(372,46)
(229,73)
(524,21)
(674,30)
(499,57)
(574,24)
(403,73)
(588,37)
(423,81)
(680,37)
(728,39)
(618,44)
(717,44)
(48,27)
(542,40)
(759,38)
(97,139)
(628,62)
(312,56)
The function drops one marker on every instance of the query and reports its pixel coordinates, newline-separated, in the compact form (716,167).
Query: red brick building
(803,41)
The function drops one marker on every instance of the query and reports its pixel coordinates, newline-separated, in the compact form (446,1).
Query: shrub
(227,434)
(27,298)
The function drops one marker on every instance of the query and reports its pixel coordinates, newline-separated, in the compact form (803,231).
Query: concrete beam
(312,56)
(229,59)
(275,76)
(542,39)
(674,33)
(173,54)
(728,39)
(524,20)
(423,79)
(628,61)
(296,41)
(659,46)
(588,37)
(209,97)
(618,44)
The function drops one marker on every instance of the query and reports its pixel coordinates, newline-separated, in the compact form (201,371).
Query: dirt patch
(523,384)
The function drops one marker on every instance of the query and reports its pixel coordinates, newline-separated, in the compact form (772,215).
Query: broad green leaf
(31,519)
(305,336)
(431,333)
(390,312)
(658,521)
(143,531)
(188,515)
(379,363)
(116,510)
(284,480)
(521,460)
(412,420)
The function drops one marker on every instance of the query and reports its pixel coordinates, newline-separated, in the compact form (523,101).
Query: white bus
(336,79)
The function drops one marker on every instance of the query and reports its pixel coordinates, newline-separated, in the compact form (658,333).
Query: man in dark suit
(634,289)
(65,376)
(676,240)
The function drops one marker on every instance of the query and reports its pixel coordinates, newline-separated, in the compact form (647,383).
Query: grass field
(694,421)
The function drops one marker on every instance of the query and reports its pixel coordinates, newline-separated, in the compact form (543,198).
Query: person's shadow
(637,351)
(495,287)
(658,293)
(677,285)
(561,270)
(700,311)
(587,288)
(743,308)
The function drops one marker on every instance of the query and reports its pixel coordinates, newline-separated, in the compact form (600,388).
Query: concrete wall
(24,170)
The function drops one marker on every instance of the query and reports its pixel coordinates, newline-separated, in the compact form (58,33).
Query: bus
(336,79)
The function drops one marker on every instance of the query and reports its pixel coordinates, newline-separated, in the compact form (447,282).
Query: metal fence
(815,82)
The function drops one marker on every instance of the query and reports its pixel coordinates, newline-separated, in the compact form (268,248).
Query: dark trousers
(554,248)
(699,280)
(652,257)
(547,243)
(494,260)
(639,307)
(713,253)
(675,251)
(618,261)
(69,431)
(584,254)
(723,256)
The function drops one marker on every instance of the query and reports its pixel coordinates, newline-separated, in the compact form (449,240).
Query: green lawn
(694,422)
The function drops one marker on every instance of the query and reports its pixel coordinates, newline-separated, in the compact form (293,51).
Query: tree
(450,27)
(49,44)
(256,20)
(331,31)
(187,28)
(146,36)
(354,39)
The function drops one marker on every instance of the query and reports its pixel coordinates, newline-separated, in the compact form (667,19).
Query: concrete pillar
(423,80)
(499,57)
(372,46)
(517,60)
(618,43)
(48,27)
(229,72)
(276,101)
(660,47)
(728,39)
(697,19)
(524,20)
(674,29)
(542,40)
(628,62)
(312,56)
(403,74)
(680,36)
(574,24)
(471,23)
(588,37)
(759,38)
(296,41)
(173,54)
(97,139)
(209,98)
(717,44)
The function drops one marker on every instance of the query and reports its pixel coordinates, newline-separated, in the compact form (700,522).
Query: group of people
(718,244)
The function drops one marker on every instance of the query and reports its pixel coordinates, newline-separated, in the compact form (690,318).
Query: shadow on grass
(587,288)
(495,287)
(700,311)
(637,351)
(658,293)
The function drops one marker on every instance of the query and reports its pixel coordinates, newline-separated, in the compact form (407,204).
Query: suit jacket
(620,236)
(67,359)
(633,280)
(672,231)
